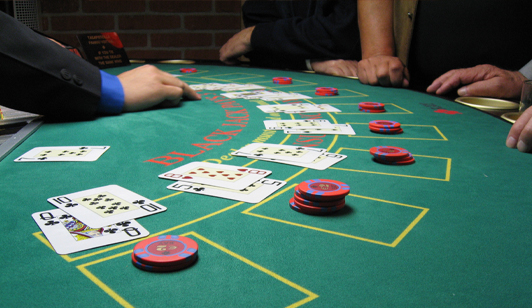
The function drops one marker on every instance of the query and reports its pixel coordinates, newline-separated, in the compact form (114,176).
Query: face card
(288,124)
(68,153)
(280,152)
(219,175)
(337,129)
(321,163)
(67,234)
(254,193)
(106,205)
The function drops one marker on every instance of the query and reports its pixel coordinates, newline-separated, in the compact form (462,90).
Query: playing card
(279,151)
(254,193)
(314,108)
(323,162)
(220,175)
(67,153)
(225,87)
(67,234)
(265,95)
(283,107)
(106,205)
(288,124)
(337,129)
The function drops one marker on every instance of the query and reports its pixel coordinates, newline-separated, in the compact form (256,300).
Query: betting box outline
(394,243)
(447,177)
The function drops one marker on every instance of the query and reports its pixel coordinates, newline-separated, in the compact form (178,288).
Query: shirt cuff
(309,66)
(527,70)
(112,97)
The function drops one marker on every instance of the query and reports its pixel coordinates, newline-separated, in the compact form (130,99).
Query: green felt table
(452,229)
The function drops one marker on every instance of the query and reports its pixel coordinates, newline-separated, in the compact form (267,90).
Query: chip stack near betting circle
(188,70)
(319,197)
(371,107)
(326,91)
(282,80)
(385,127)
(164,253)
(392,155)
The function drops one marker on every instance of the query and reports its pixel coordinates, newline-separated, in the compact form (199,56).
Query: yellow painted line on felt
(410,227)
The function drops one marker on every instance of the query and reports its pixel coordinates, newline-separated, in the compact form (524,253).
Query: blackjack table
(453,229)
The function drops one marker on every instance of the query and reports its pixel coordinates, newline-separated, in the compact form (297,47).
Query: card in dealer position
(220,175)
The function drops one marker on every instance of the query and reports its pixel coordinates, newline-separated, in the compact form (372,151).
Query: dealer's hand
(386,71)
(520,135)
(147,86)
(236,46)
(481,80)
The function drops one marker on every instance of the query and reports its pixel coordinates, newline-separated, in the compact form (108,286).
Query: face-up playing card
(288,124)
(219,175)
(280,152)
(106,205)
(68,153)
(67,234)
(265,95)
(298,108)
(321,163)
(225,87)
(337,129)
(254,193)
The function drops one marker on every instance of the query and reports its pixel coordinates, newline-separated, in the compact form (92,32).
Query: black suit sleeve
(42,77)
(289,32)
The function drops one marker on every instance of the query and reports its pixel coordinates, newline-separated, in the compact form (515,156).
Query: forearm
(375,21)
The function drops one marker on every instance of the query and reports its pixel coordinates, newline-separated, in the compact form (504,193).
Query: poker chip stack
(371,107)
(392,155)
(282,80)
(326,91)
(188,70)
(319,197)
(165,253)
(385,127)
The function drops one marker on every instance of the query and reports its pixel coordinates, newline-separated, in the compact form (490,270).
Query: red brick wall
(149,29)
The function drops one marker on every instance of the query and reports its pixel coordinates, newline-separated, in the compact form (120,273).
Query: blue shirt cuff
(112,98)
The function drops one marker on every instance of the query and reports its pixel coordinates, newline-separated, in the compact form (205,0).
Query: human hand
(147,86)
(384,71)
(338,67)
(481,80)
(520,135)
(236,46)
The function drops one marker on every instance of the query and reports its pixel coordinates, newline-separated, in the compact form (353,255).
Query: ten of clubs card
(67,234)
(220,175)
(67,153)
(104,206)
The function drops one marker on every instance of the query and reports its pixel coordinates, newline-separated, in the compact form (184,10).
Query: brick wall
(149,29)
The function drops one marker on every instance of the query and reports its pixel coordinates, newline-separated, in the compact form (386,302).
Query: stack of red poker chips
(282,80)
(164,253)
(326,91)
(392,155)
(319,197)
(188,70)
(371,107)
(385,127)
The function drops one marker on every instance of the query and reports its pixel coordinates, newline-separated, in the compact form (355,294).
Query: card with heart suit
(254,193)
(220,175)
(289,124)
(337,129)
(323,162)
(68,235)
(279,152)
(103,206)
(66,153)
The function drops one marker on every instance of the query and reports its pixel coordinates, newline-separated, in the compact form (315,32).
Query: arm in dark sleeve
(44,78)
(316,30)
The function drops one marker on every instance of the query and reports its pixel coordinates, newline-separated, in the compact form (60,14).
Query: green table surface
(452,230)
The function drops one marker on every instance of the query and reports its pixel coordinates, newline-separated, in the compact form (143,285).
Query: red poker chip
(389,153)
(371,105)
(322,189)
(326,91)
(298,200)
(407,161)
(282,80)
(188,70)
(165,250)
(162,269)
(371,110)
(386,130)
(320,211)
(385,124)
